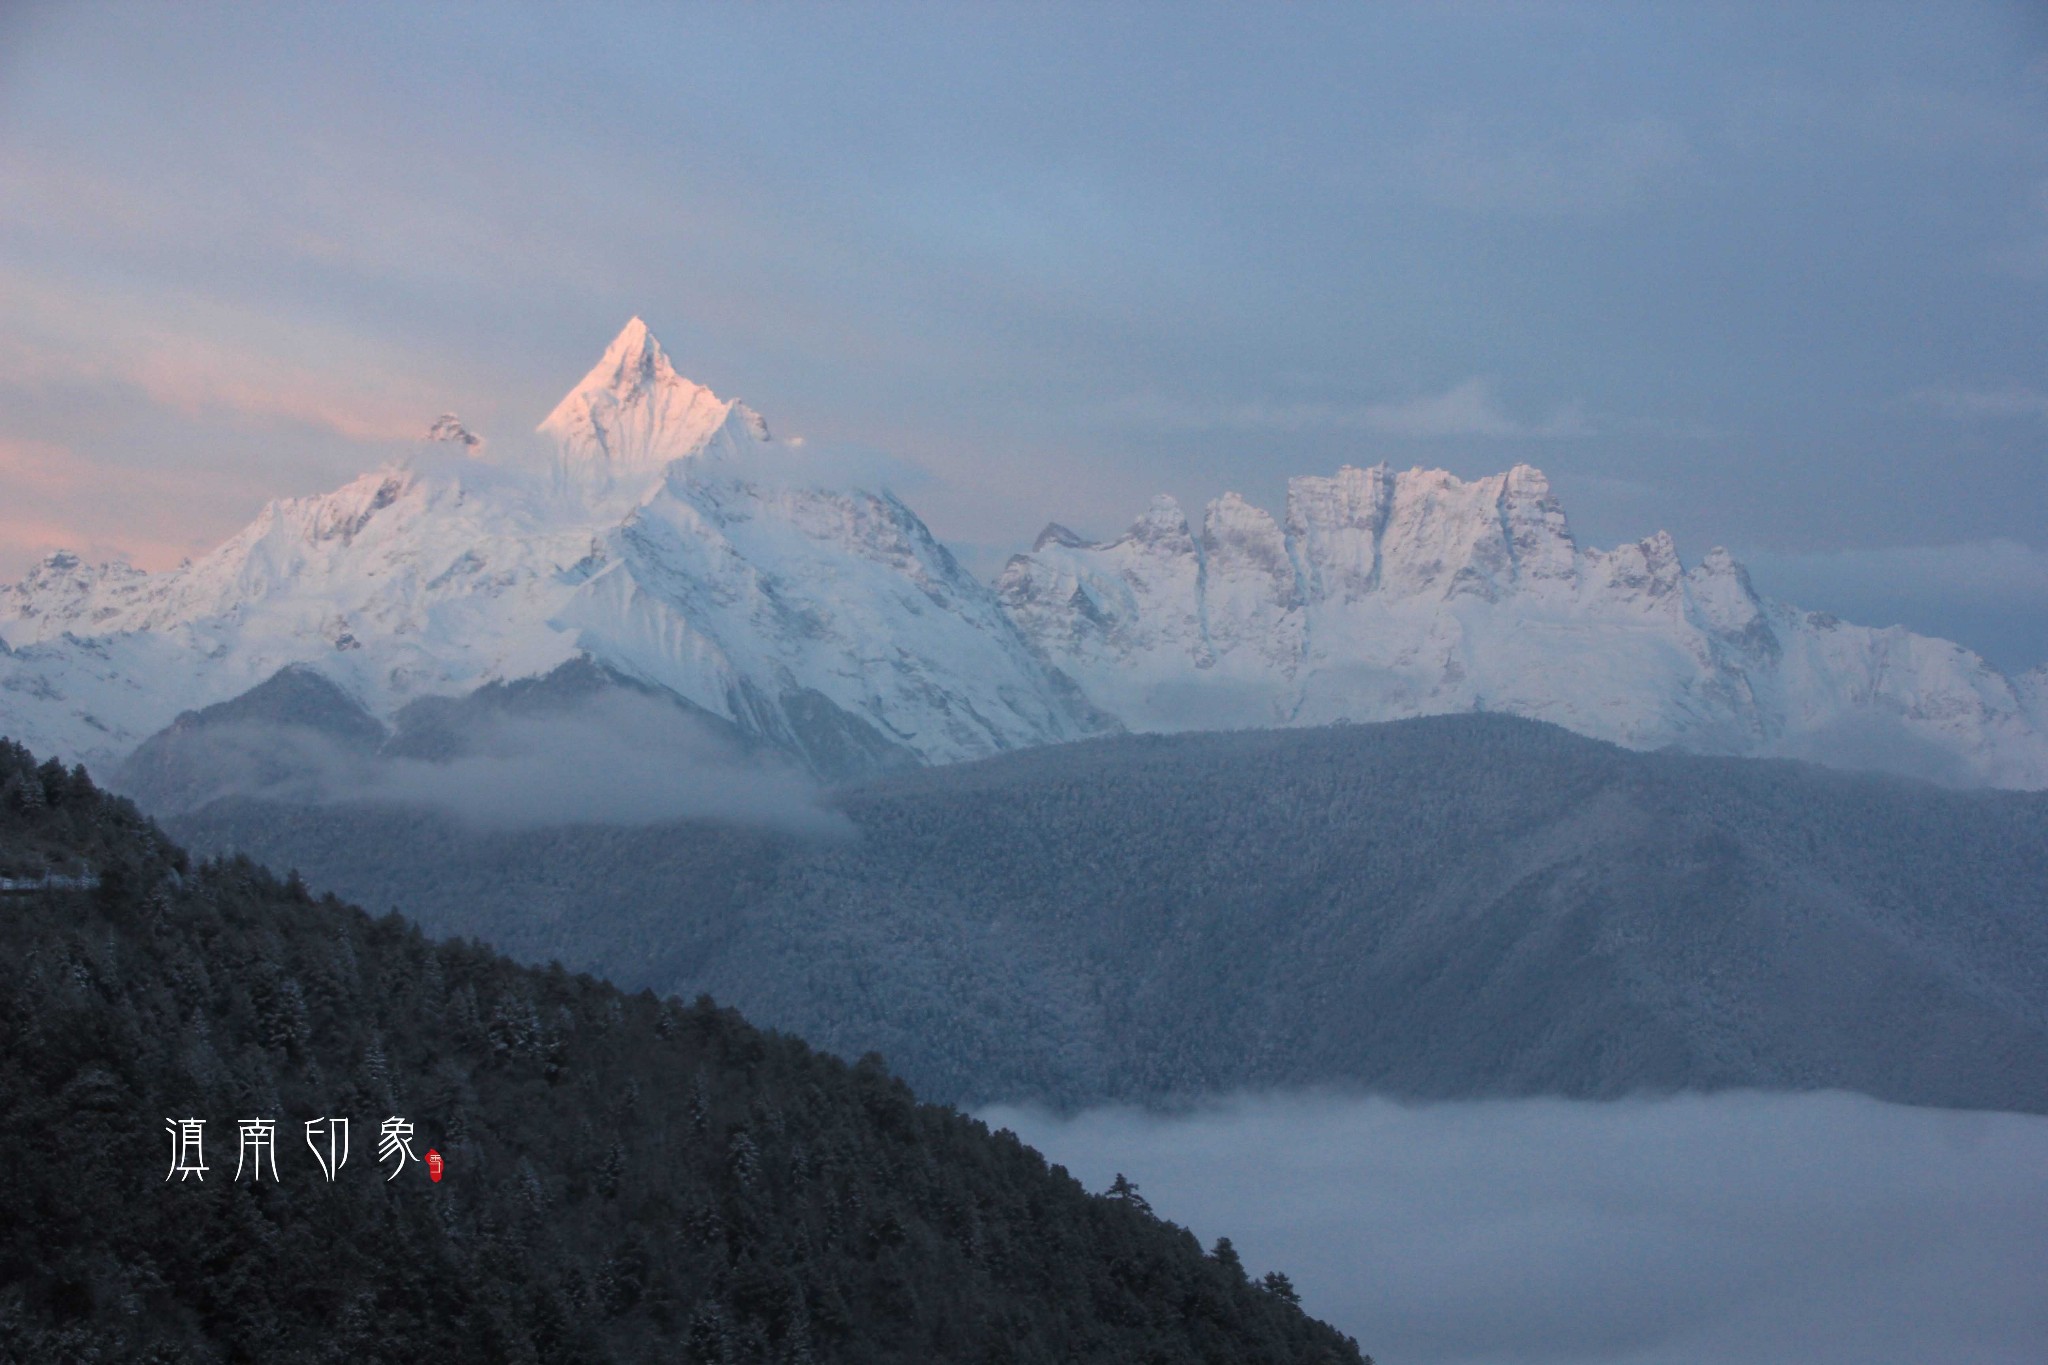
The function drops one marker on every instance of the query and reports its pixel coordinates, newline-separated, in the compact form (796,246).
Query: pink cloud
(197,382)
(205,357)
(40,466)
(149,518)
(25,540)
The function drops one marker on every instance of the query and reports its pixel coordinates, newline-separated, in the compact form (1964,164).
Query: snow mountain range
(672,541)
(1386,595)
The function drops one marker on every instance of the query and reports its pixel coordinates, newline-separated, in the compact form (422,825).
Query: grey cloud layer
(1776,1230)
(617,759)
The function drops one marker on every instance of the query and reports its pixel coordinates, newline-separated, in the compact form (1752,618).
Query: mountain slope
(1401,594)
(626,1179)
(1447,907)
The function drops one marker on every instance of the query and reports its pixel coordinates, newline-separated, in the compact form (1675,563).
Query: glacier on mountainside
(672,540)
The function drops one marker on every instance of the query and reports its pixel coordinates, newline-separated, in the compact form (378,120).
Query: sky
(1770,276)
(1773,1229)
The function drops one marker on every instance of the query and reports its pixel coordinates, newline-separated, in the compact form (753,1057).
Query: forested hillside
(1458,906)
(626,1178)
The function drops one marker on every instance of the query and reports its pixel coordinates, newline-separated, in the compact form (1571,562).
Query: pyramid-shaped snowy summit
(633,415)
(659,546)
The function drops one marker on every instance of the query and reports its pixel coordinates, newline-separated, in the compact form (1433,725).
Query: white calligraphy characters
(188,1148)
(261,1136)
(396,1143)
(329,1129)
(326,1138)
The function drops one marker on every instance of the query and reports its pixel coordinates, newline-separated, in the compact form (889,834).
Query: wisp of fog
(1765,1228)
(612,759)
(617,759)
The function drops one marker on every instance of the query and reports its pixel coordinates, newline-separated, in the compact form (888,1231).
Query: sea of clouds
(1815,1229)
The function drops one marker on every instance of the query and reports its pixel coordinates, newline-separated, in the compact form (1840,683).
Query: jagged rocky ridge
(627,1179)
(1401,594)
(672,541)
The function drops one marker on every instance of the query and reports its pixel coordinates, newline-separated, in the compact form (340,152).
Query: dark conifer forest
(626,1178)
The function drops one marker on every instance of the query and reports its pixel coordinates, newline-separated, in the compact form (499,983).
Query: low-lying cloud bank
(616,759)
(619,760)
(1762,1228)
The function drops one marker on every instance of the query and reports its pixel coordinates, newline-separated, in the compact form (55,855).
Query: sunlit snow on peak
(633,415)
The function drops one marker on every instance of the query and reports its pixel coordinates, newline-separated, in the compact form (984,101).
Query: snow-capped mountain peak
(633,415)
(671,543)
(632,362)
(667,546)
(1387,594)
